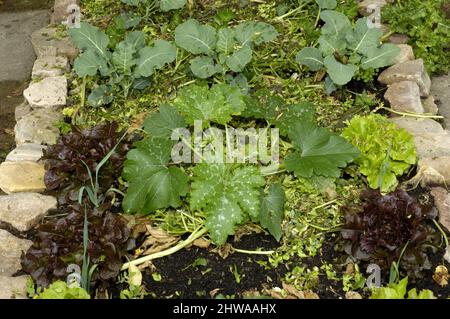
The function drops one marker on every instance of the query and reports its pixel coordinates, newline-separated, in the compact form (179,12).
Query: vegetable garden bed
(234,149)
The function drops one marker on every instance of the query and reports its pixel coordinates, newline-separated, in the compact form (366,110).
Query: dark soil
(181,280)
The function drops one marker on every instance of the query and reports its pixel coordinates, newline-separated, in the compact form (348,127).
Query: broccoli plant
(345,50)
(219,51)
(163,5)
(128,66)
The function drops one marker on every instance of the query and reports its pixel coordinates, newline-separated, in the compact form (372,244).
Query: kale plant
(163,5)
(128,66)
(386,151)
(222,50)
(428,28)
(389,229)
(345,50)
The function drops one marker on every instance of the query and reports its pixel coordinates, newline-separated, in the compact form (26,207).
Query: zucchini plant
(226,193)
(344,50)
(222,50)
(128,66)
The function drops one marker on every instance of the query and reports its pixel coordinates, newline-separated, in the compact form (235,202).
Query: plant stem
(253,252)
(442,232)
(195,235)
(414,114)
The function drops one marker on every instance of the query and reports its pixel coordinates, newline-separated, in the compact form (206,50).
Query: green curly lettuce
(386,151)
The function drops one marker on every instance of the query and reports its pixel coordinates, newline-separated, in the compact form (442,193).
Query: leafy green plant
(344,50)
(225,194)
(398,291)
(430,41)
(163,5)
(128,66)
(319,152)
(60,290)
(222,50)
(386,151)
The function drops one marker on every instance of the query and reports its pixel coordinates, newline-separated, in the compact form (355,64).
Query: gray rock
(22,110)
(429,105)
(38,127)
(398,38)
(440,89)
(408,71)
(17,177)
(11,248)
(404,96)
(447,254)
(432,145)
(442,203)
(49,66)
(366,7)
(26,152)
(59,11)
(47,93)
(45,42)
(417,126)
(13,287)
(406,54)
(23,211)
(434,171)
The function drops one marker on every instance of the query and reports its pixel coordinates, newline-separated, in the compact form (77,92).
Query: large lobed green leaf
(152,184)
(195,37)
(217,104)
(228,196)
(318,151)
(89,37)
(272,210)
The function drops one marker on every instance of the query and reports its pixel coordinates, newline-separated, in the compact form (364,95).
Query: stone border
(22,173)
(414,109)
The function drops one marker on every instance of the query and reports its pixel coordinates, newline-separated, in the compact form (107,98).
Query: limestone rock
(49,66)
(432,145)
(429,105)
(22,110)
(47,93)
(406,54)
(59,12)
(23,211)
(11,248)
(442,203)
(440,89)
(408,71)
(434,171)
(398,38)
(38,127)
(26,152)
(417,126)
(404,96)
(366,7)
(45,42)
(16,177)
(13,287)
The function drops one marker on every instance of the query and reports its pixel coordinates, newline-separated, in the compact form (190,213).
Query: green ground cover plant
(160,70)
(427,26)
